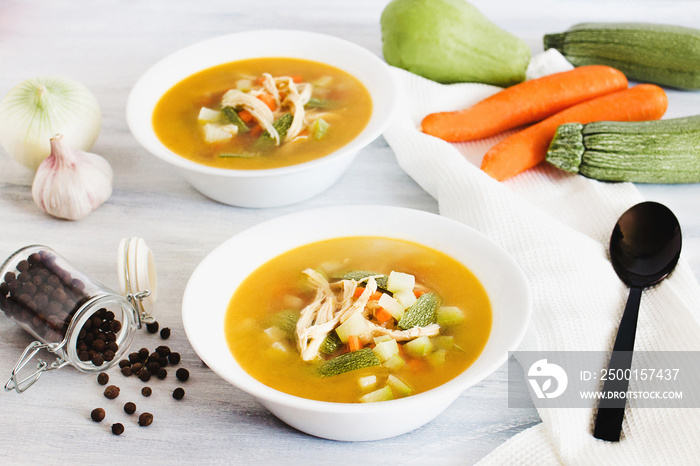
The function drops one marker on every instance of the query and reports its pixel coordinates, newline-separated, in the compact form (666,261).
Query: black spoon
(644,248)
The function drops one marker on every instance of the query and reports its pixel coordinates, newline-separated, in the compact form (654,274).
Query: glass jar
(77,318)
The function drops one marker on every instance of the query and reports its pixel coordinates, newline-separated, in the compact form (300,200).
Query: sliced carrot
(382,315)
(358,291)
(354,343)
(256,131)
(527,148)
(246,116)
(418,293)
(268,100)
(297,78)
(524,103)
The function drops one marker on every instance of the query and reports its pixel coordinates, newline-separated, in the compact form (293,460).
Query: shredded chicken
(333,304)
(257,108)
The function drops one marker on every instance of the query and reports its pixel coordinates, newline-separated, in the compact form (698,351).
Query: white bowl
(216,278)
(269,187)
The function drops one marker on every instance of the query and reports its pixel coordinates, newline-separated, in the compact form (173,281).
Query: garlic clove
(71,183)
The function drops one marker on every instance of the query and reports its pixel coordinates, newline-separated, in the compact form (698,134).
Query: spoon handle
(611,408)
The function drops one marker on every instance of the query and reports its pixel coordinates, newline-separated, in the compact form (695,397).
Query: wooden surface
(107,45)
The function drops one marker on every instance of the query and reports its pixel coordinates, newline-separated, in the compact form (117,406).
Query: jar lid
(136,268)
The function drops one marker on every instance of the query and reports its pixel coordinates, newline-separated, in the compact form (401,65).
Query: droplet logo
(541,374)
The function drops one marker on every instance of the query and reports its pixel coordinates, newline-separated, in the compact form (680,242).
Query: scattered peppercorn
(111,392)
(97,414)
(144,375)
(118,428)
(162,373)
(124,362)
(174,358)
(163,351)
(179,393)
(152,327)
(126,371)
(146,391)
(130,408)
(102,378)
(165,333)
(182,374)
(145,419)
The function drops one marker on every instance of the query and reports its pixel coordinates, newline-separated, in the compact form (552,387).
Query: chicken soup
(262,113)
(358,319)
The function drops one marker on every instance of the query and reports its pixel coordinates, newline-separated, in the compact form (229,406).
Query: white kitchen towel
(557,227)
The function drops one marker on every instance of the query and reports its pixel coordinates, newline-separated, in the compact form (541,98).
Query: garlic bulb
(71,183)
(36,109)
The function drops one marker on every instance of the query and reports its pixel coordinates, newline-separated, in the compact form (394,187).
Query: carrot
(268,100)
(524,103)
(256,131)
(354,343)
(528,147)
(358,291)
(374,297)
(418,293)
(382,315)
(297,78)
(246,116)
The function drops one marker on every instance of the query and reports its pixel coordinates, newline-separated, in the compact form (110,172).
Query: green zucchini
(330,343)
(348,362)
(661,151)
(359,275)
(421,313)
(287,321)
(653,53)
(233,117)
(282,125)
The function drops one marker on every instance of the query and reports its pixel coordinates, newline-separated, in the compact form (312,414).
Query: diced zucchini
(418,347)
(383,394)
(398,386)
(445,342)
(330,344)
(360,275)
(355,325)
(368,382)
(348,362)
(399,281)
(394,363)
(218,133)
(207,114)
(436,358)
(449,315)
(318,128)
(392,306)
(421,313)
(233,117)
(286,321)
(275,333)
(386,349)
(282,125)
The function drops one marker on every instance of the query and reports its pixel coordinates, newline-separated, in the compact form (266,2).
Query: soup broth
(262,113)
(259,342)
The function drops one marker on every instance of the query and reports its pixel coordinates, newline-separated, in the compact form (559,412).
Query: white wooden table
(107,46)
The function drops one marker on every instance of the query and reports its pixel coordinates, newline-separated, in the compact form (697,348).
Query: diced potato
(392,306)
(355,325)
(444,342)
(279,348)
(386,349)
(398,386)
(219,133)
(381,338)
(436,358)
(418,347)
(368,382)
(399,281)
(275,333)
(383,394)
(207,114)
(244,85)
(405,298)
(449,315)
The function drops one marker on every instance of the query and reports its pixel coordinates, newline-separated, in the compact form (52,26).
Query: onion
(38,108)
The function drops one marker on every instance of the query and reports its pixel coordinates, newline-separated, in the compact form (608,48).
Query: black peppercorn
(118,428)
(124,362)
(126,371)
(145,419)
(152,327)
(143,354)
(161,373)
(165,333)
(134,358)
(163,351)
(146,391)
(130,408)
(97,414)
(111,392)
(103,378)
(144,375)
(153,367)
(174,358)
(179,393)
(182,374)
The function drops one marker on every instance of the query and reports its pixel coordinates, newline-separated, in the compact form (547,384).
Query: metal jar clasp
(21,384)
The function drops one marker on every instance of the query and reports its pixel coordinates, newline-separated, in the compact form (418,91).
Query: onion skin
(38,108)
